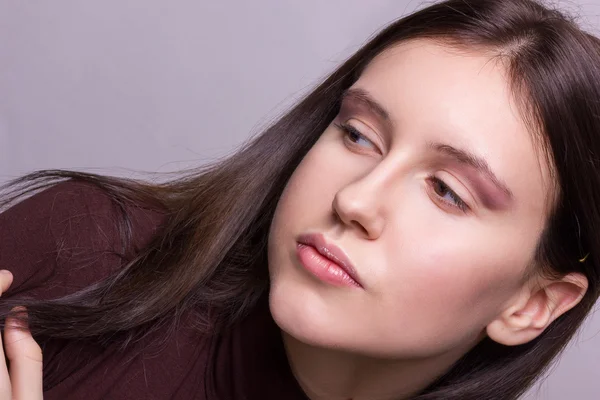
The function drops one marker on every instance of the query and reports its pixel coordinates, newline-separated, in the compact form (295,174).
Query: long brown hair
(212,248)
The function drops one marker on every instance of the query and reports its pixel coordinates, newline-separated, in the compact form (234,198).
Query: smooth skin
(23,380)
(436,189)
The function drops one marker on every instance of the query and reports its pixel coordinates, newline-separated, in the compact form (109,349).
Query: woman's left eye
(447,195)
(354,135)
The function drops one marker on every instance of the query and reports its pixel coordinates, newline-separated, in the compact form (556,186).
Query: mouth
(326,261)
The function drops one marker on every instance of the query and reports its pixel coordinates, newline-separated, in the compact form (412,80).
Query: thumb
(25,357)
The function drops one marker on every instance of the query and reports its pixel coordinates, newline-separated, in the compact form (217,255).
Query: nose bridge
(362,202)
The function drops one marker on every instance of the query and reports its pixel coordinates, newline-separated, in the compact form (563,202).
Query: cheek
(449,288)
(304,203)
(308,195)
(302,191)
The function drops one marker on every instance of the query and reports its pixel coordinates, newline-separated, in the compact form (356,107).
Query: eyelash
(456,200)
(434,181)
(350,131)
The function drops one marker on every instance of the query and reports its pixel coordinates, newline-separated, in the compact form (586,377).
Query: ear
(535,309)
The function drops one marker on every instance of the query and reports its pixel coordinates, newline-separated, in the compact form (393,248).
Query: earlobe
(535,310)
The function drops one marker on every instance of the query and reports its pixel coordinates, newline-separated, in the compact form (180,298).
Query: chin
(311,319)
(301,314)
(308,317)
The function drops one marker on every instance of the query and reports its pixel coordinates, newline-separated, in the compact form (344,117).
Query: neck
(326,374)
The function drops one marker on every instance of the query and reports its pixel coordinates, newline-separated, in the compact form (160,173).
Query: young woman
(420,226)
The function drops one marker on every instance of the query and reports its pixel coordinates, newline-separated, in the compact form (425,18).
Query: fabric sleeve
(67,237)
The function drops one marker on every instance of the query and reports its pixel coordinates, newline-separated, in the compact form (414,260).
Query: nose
(359,205)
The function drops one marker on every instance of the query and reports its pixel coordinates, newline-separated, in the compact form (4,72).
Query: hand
(24,380)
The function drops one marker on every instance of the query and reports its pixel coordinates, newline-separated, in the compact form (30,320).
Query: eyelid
(454,184)
(366,130)
(455,203)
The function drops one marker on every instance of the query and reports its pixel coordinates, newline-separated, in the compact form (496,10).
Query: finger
(25,357)
(5,390)
(6,278)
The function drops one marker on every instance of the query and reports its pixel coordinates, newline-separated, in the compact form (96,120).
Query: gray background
(114,86)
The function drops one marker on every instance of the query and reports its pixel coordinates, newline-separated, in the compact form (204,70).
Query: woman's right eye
(353,135)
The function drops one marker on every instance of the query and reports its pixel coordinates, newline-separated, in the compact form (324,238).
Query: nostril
(360,227)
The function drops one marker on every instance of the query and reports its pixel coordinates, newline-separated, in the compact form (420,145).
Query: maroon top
(65,238)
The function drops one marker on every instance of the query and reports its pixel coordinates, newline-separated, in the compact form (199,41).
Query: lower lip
(323,268)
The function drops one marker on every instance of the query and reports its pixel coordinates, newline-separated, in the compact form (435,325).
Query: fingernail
(5,272)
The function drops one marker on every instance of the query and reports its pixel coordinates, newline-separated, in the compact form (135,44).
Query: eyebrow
(362,96)
(474,161)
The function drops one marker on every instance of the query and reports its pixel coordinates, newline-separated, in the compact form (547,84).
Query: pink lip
(332,253)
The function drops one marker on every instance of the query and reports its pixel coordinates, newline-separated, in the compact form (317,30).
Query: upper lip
(330,251)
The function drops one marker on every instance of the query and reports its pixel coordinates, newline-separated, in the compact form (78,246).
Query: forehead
(436,93)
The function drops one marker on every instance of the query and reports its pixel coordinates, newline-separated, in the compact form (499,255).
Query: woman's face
(430,183)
